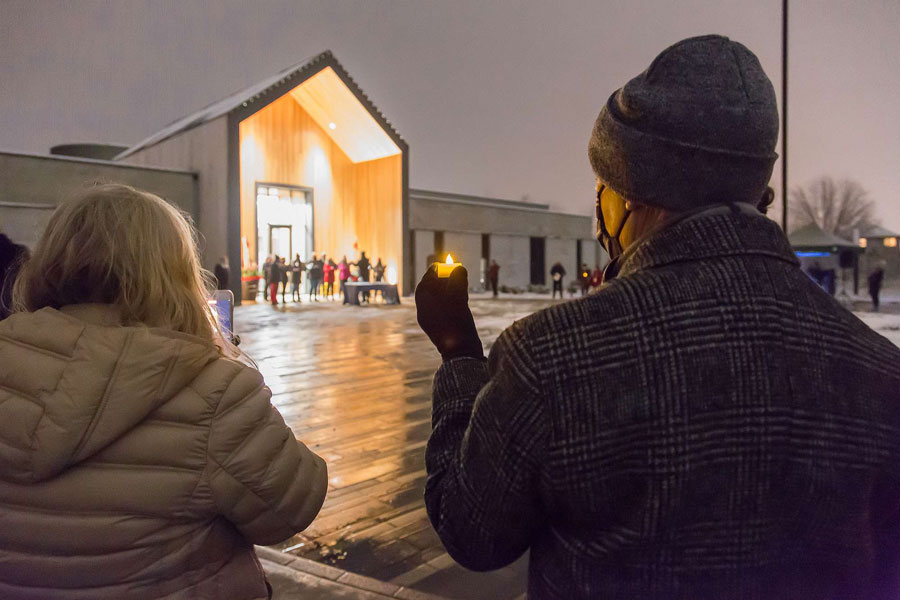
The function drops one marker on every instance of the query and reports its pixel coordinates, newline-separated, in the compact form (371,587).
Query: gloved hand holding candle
(442,310)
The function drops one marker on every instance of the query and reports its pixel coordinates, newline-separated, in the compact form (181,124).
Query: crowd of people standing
(320,277)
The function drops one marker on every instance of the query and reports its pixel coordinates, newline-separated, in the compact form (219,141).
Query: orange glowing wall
(353,202)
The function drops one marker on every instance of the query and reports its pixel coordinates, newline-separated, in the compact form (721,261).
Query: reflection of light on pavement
(354,385)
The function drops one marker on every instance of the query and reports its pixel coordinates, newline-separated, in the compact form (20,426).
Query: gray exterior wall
(466,249)
(472,217)
(204,150)
(423,247)
(463,219)
(512,253)
(593,254)
(564,251)
(31,186)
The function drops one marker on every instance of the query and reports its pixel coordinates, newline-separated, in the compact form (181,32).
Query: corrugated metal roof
(283,81)
(878,231)
(813,236)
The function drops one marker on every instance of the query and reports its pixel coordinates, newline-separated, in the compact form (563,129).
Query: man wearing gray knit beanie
(709,424)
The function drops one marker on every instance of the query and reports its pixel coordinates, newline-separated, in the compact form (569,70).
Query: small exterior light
(890,242)
(332,126)
(863,242)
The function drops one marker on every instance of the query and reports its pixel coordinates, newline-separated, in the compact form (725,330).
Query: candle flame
(449,260)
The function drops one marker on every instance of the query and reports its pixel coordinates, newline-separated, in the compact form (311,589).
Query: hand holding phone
(223,303)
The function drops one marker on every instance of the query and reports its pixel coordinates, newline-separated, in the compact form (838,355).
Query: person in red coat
(596,277)
(328,269)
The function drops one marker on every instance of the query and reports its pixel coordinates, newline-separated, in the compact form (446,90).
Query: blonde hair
(114,244)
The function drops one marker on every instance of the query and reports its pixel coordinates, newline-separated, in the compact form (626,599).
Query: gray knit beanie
(698,127)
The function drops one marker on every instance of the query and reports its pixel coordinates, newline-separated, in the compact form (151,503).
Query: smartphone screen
(223,303)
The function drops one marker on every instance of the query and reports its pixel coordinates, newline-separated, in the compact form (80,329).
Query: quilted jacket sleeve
(484,457)
(262,478)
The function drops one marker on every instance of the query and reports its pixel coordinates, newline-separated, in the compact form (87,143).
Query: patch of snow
(887,325)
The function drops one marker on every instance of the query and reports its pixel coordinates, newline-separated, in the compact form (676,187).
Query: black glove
(442,309)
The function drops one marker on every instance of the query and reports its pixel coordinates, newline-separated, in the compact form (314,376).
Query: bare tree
(841,207)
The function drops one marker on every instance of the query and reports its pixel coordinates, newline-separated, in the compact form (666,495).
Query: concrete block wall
(466,249)
(32,185)
(562,250)
(423,242)
(593,254)
(512,253)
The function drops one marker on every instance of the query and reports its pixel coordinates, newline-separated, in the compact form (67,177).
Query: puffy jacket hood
(73,380)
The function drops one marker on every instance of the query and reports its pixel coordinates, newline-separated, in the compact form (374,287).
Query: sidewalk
(294,578)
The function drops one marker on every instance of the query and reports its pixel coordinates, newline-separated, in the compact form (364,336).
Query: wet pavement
(354,383)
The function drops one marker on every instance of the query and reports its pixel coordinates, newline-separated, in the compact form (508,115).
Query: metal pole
(784,115)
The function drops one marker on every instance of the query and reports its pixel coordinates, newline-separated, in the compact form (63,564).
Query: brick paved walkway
(354,383)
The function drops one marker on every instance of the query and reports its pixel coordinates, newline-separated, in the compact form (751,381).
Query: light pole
(784,115)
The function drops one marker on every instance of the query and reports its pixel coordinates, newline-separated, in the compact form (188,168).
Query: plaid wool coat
(710,424)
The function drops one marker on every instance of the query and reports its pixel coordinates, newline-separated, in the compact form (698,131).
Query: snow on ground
(493,316)
(887,325)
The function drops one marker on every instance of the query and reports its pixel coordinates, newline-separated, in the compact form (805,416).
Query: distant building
(881,246)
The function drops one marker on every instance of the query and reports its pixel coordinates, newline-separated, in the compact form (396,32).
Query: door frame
(290,229)
(310,199)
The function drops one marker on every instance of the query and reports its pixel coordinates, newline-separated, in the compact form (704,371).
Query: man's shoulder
(562,320)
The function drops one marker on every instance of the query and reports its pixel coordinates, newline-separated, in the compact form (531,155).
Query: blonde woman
(137,460)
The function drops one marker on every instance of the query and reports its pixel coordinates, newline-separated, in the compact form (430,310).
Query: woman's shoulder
(227,380)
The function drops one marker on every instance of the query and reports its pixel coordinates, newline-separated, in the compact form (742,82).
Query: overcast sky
(495,98)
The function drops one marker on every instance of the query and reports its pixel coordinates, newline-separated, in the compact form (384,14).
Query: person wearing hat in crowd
(709,423)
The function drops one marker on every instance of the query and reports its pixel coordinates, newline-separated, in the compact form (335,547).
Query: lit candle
(445,268)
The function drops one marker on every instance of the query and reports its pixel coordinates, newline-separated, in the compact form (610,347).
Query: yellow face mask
(611,208)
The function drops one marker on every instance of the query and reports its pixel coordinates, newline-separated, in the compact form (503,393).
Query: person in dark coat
(284,271)
(12,256)
(494,276)
(709,423)
(220,271)
(297,268)
(364,267)
(557,272)
(315,273)
(875,279)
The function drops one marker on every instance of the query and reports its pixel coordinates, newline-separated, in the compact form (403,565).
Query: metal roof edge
(489,203)
(245,98)
(452,196)
(98,161)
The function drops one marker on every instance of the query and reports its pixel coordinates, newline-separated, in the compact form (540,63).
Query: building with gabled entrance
(301,163)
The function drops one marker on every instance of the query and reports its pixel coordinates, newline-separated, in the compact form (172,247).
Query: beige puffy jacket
(137,463)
